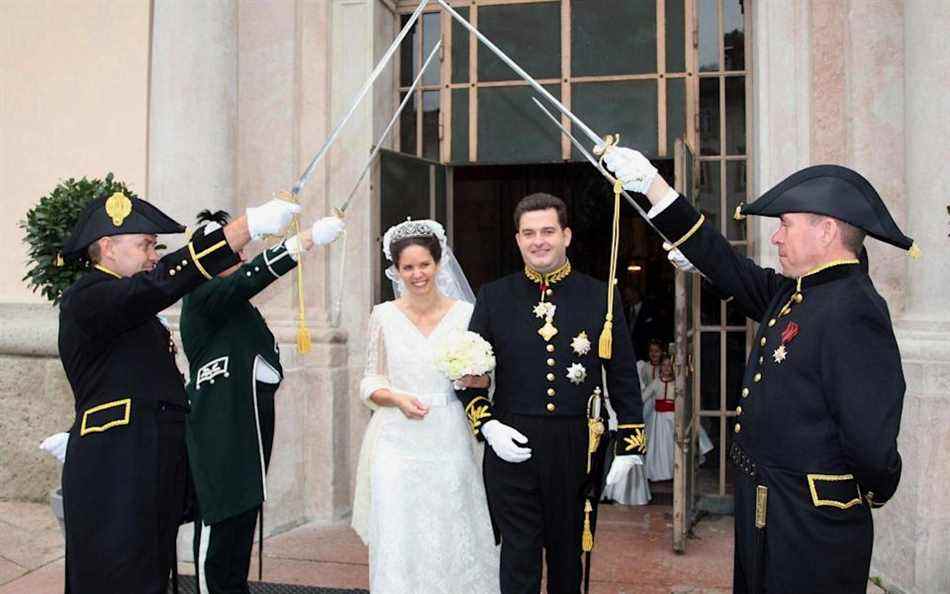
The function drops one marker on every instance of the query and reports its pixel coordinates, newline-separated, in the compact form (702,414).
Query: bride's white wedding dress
(420,500)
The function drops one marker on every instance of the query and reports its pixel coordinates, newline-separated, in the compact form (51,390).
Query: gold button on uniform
(761,360)
(551,407)
(797,298)
(550,362)
(762,341)
(551,392)
(757,378)
(738,428)
(184,262)
(771,322)
(550,377)
(738,410)
(549,292)
(171,272)
(550,348)
(745,392)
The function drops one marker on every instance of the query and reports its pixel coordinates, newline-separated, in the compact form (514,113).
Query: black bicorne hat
(834,191)
(208,221)
(117,214)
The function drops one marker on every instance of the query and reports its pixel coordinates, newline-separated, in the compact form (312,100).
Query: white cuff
(371,383)
(660,206)
(293,247)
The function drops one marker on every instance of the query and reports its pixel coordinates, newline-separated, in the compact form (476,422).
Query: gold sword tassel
(605,344)
(304,340)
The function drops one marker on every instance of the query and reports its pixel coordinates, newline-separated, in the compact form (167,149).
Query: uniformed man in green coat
(235,368)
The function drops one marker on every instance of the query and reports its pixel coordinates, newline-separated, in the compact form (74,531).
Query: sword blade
(593,136)
(308,172)
(389,127)
(580,147)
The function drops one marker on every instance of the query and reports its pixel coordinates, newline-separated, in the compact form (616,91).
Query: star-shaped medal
(780,353)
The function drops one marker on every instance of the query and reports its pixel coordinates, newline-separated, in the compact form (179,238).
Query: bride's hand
(473,381)
(412,408)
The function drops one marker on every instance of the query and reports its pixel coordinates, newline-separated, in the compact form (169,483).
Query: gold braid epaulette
(550,278)
(476,414)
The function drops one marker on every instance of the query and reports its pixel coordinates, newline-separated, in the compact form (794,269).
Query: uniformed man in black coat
(543,324)
(815,437)
(125,471)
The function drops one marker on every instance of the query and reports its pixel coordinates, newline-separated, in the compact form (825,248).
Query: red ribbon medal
(788,334)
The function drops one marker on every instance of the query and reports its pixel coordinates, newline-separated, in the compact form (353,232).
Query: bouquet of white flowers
(464,353)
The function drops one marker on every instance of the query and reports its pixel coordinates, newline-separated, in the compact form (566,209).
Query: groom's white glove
(326,230)
(678,260)
(621,466)
(502,440)
(634,171)
(270,218)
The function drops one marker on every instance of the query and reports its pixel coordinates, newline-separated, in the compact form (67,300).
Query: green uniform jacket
(225,339)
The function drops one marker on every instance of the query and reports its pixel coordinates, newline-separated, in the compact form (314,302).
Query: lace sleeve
(376,374)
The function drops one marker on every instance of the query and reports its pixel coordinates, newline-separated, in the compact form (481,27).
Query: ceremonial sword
(379,143)
(338,302)
(577,144)
(308,172)
(593,136)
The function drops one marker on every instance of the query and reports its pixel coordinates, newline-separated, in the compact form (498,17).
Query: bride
(419,505)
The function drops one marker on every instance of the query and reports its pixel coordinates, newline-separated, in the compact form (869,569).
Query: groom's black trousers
(539,504)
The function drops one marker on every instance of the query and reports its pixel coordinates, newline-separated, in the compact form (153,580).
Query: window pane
(708,201)
(627,107)
(676,35)
(459,126)
(512,130)
(675,112)
(407,126)
(612,37)
(734,34)
(430,125)
(530,34)
(735,115)
(708,36)
(735,193)
(460,37)
(431,32)
(409,55)
(709,116)
(709,362)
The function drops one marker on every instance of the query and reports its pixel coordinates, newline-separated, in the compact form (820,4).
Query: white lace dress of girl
(420,501)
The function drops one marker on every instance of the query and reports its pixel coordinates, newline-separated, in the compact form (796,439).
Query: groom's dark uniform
(539,504)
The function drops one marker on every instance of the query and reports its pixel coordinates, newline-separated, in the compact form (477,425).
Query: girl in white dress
(661,425)
(649,369)
(419,505)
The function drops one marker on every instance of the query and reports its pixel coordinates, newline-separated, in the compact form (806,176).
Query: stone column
(193,108)
(912,534)
(781,104)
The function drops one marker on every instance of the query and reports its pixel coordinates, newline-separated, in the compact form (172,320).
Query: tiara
(410,228)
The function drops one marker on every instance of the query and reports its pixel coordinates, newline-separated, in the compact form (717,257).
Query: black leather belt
(741,460)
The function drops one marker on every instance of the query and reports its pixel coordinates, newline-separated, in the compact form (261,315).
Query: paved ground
(633,554)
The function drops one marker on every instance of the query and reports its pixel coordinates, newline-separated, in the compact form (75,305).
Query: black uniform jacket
(531,374)
(120,362)
(820,409)
(225,339)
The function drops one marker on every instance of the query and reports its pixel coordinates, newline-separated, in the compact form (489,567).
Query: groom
(543,324)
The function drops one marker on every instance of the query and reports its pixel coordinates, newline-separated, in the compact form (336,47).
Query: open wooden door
(409,187)
(684,460)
